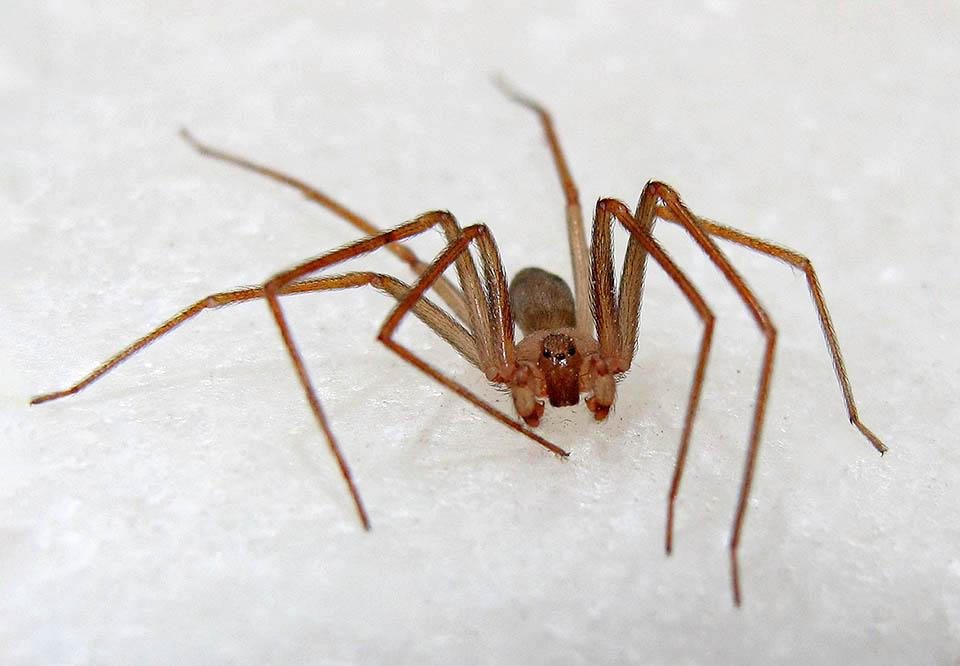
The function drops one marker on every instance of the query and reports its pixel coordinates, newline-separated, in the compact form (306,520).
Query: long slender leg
(503,350)
(682,215)
(494,349)
(273,288)
(288,283)
(609,314)
(212,301)
(575,230)
(441,323)
(436,319)
(447,291)
(804,264)
(450,254)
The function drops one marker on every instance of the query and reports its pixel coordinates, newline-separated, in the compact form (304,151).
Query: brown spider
(560,357)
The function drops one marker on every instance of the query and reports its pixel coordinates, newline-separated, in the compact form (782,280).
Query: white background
(186,509)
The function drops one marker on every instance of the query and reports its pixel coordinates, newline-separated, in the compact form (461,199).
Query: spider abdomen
(541,301)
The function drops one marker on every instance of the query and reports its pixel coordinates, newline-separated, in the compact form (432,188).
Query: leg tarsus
(735,574)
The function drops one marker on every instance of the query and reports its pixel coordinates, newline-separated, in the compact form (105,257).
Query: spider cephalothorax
(555,359)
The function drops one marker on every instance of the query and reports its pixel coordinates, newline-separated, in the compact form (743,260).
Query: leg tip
(46,397)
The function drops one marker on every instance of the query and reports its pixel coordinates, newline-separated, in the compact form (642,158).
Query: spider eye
(546,354)
(571,351)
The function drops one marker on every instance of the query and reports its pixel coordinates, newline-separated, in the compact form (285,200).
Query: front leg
(617,321)
(500,348)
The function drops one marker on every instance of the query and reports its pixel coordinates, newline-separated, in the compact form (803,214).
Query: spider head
(560,362)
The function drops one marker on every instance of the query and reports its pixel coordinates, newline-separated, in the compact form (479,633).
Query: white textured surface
(185,508)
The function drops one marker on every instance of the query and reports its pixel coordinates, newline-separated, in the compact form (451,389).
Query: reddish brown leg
(497,305)
(450,254)
(623,317)
(682,215)
(576,235)
(439,321)
(447,291)
(275,286)
(433,316)
(803,263)
(287,283)
(213,301)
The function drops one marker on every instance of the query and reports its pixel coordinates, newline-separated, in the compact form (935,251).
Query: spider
(574,343)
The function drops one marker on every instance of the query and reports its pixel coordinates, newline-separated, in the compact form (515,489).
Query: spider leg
(447,291)
(444,325)
(289,282)
(575,230)
(617,323)
(274,287)
(682,215)
(826,324)
(502,354)
(457,248)
(213,301)
(434,317)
